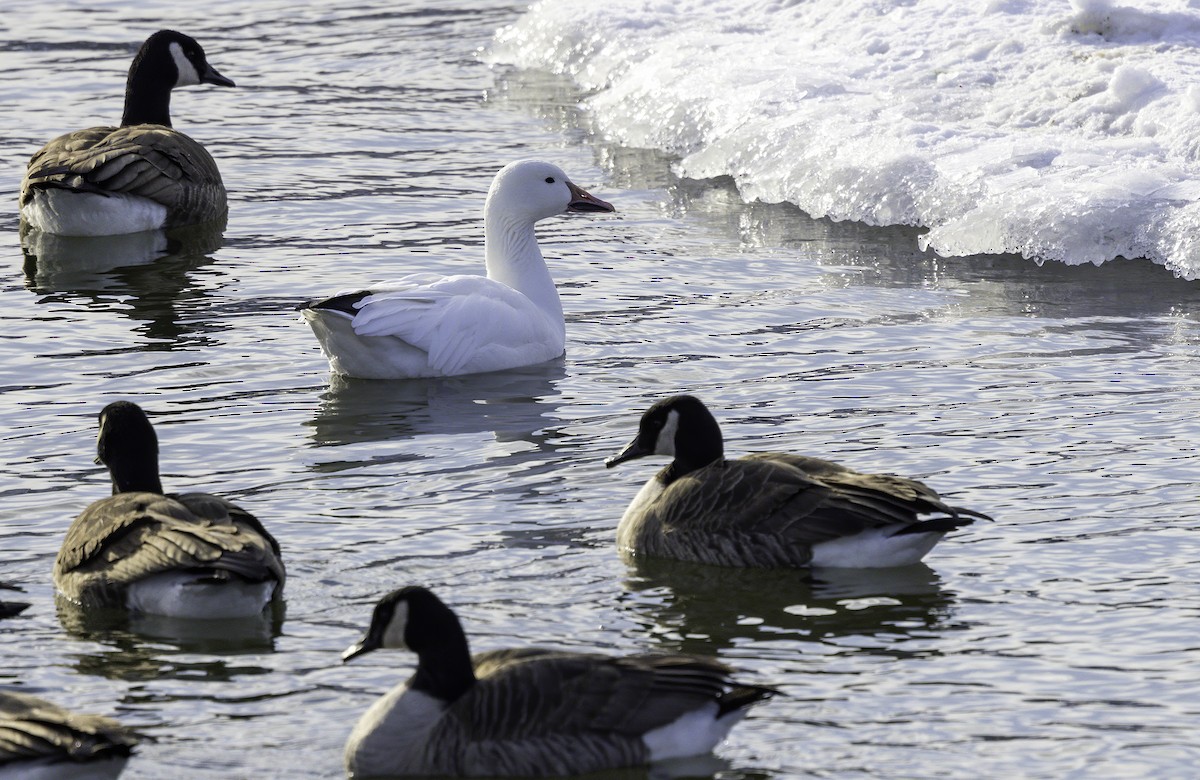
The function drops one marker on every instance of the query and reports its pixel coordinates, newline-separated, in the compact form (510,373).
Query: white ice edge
(1058,130)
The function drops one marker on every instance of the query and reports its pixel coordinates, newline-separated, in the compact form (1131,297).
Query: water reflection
(149,647)
(56,263)
(514,405)
(889,257)
(703,609)
(10,608)
(152,268)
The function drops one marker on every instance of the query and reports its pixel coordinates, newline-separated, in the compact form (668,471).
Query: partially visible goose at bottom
(189,555)
(772,508)
(425,325)
(531,712)
(140,176)
(42,741)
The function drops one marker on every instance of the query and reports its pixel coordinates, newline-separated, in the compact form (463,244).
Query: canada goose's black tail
(742,696)
(960,517)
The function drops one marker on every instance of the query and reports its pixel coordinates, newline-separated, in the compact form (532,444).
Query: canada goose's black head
(167,59)
(128,447)
(410,618)
(680,427)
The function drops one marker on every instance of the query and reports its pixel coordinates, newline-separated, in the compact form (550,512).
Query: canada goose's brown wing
(150,161)
(891,497)
(32,728)
(551,690)
(771,509)
(569,712)
(739,513)
(127,537)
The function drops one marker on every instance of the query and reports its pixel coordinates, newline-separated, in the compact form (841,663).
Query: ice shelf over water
(1063,130)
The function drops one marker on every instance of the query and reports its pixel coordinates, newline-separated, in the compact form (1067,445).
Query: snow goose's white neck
(523,193)
(513,256)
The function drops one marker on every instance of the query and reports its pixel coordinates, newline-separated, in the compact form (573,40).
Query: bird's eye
(549,179)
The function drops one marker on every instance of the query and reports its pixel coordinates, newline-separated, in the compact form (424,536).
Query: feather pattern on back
(131,536)
(148,161)
(32,729)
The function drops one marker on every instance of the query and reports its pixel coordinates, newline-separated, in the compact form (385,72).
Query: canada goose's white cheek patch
(665,445)
(394,635)
(187,71)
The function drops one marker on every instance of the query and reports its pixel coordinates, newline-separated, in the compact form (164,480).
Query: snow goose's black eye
(549,179)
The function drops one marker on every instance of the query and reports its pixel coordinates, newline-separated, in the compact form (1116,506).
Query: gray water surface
(1059,641)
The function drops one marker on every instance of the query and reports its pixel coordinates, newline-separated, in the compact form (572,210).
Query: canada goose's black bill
(583,201)
(366,645)
(632,451)
(211,76)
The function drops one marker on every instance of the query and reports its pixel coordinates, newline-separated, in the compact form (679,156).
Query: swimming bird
(425,325)
(191,555)
(772,508)
(531,712)
(41,741)
(140,176)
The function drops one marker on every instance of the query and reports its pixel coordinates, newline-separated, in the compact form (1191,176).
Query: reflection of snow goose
(140,176)
(770,508)
(531,712)
(424,325)
(42,740)
(191,555)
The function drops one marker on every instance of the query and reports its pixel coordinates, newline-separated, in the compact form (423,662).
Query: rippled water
(1057,642)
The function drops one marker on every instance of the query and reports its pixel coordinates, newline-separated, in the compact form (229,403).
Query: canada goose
(140,176)
(770,508)
(40,741)
(190,555)
(425,325)
(530,711)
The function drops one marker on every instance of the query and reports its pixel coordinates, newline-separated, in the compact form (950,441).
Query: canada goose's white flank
(140,176)
(424,325)
(531,712)
(771,508)
(42,741)
(190,555)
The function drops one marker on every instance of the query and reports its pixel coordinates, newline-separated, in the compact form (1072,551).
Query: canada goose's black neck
(444,667)
(698,441)
(128,447)
(685,464)
(130,475)
(148,89)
